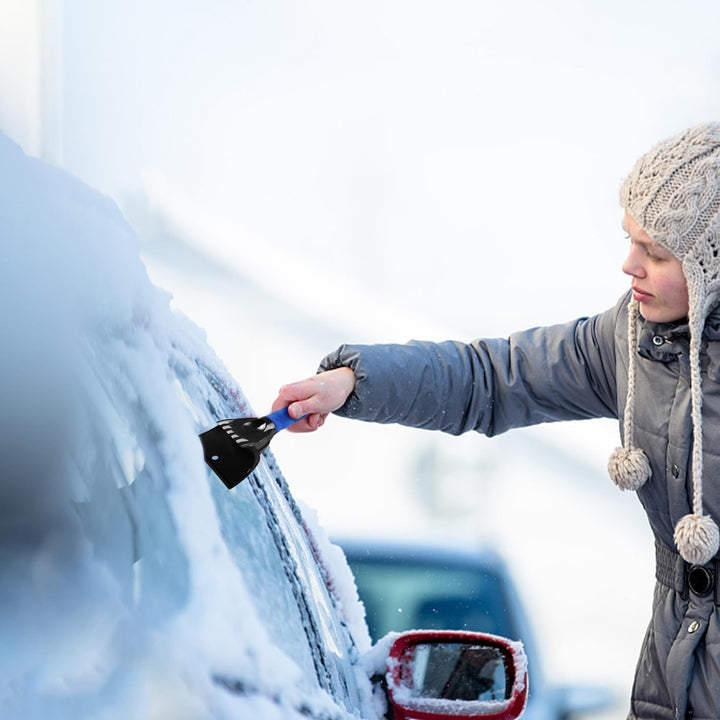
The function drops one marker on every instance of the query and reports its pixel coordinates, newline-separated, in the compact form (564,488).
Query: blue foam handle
(281,419)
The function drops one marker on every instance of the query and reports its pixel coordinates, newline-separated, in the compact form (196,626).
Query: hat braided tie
(696,536)
(629,467)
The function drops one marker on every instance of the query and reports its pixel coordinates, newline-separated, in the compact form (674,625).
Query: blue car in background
(410,586)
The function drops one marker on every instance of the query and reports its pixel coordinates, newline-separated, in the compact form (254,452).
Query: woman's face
(658,282)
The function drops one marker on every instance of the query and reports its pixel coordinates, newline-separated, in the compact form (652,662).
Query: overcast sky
(462,157)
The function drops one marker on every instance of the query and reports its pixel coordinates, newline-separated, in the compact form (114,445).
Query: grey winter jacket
(574,371)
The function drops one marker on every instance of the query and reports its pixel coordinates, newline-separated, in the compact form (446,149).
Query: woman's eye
(655,258)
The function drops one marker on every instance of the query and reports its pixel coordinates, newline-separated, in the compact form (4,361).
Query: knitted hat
(673,193)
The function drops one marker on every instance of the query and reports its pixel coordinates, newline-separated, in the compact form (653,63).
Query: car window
(405,594)
(254,549)
(262,527)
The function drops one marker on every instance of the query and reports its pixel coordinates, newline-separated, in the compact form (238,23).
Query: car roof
(431,553)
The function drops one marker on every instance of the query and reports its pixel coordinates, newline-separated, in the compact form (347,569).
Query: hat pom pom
(697,538)
(629,469)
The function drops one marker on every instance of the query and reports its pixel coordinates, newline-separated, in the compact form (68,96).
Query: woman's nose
(632,265)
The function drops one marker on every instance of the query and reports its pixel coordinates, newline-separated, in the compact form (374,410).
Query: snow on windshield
(92,626)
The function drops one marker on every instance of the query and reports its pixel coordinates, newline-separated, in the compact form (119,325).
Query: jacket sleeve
(562,372)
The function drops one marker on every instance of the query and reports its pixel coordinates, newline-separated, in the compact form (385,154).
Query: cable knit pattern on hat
(673,192)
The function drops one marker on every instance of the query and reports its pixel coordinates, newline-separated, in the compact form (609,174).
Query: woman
(652,361)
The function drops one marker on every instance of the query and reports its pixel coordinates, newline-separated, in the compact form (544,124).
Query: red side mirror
(433,675)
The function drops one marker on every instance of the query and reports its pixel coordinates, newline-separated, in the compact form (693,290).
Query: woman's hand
(315,397)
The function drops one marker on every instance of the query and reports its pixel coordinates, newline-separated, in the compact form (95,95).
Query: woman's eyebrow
(648,242)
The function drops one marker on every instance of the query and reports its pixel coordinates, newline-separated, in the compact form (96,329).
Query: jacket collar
(664,342)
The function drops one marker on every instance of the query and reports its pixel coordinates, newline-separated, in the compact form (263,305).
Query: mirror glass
(455,671)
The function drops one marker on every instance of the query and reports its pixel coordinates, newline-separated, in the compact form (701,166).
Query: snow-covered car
(439,586)
(134,584)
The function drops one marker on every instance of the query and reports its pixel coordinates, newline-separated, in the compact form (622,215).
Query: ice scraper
(233,447)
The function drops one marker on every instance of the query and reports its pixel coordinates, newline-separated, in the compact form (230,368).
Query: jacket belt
(673,572)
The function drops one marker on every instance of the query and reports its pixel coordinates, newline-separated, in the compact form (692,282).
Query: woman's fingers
(315,397)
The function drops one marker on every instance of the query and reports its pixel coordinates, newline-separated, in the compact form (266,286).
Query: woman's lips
(640,295)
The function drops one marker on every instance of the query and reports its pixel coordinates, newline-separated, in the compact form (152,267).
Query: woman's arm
(562,372)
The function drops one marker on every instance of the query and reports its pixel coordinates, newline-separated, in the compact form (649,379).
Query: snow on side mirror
(443,674)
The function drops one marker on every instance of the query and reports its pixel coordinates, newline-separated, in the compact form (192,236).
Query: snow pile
(120,598)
